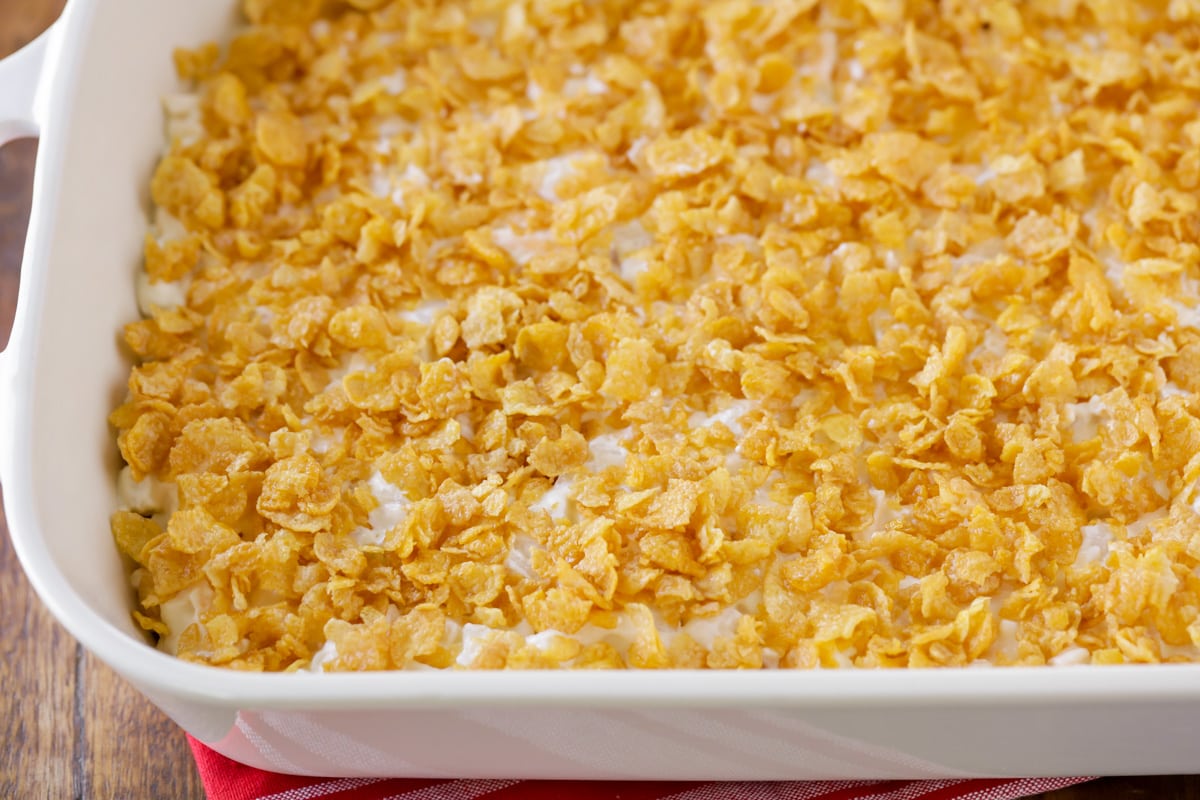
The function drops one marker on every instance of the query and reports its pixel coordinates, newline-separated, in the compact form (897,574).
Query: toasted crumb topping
(673,333)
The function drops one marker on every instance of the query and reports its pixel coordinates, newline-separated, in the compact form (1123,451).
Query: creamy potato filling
(704,334)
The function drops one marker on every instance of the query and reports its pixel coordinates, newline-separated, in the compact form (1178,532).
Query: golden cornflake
(730,335)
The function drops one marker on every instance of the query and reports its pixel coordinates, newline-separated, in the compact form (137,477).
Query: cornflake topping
(703,333)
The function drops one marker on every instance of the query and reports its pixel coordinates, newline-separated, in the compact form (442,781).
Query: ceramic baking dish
(91,88)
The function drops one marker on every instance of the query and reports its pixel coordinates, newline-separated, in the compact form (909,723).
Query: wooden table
(73,729)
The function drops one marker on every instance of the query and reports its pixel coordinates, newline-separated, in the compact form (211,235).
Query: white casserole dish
(91,87)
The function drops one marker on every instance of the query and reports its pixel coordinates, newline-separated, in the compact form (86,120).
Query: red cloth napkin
(228,780)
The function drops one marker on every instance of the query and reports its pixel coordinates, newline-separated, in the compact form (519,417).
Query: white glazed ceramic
(91,87)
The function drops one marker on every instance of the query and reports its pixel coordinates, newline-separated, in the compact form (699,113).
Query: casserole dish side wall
(102,130)
(614,741)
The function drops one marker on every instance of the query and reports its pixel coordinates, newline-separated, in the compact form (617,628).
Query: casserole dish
(92,91)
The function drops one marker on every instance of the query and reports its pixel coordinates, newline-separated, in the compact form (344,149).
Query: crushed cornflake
(705,333)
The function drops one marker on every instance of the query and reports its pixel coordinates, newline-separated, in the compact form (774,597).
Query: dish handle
(20,77)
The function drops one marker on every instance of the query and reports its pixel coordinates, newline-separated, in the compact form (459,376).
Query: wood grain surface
(73,729)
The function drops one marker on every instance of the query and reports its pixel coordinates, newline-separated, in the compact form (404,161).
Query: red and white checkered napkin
(228,780)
